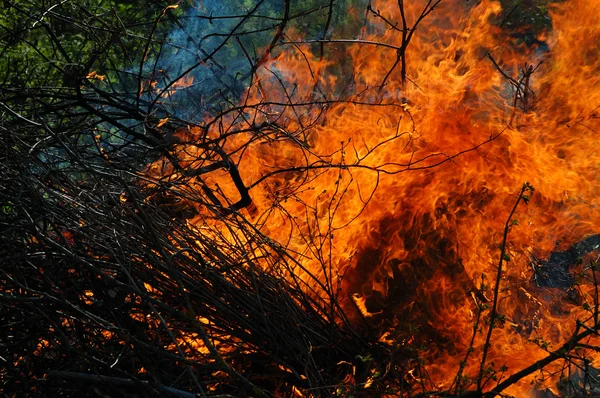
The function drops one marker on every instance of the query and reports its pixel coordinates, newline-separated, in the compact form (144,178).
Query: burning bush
(317,199)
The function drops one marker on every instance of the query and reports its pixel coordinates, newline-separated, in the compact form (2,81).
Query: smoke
(211,48)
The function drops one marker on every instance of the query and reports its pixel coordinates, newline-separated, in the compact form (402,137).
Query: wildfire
(397,195)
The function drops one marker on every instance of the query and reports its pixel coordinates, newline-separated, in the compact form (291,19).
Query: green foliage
(532,14)
(540,342)
(365,358)
(47,45)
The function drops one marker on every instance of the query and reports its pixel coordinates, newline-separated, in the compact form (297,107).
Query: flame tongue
(404,189)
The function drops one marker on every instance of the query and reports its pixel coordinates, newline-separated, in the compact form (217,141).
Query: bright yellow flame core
(427,233)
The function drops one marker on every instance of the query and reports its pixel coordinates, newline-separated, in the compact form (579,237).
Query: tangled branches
(173,179)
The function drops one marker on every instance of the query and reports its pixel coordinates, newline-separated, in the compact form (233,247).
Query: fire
(185,81)
(395,196)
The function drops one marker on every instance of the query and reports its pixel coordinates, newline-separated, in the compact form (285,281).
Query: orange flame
(400,193)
